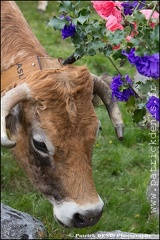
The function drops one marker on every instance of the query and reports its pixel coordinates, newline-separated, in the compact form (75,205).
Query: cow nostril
(89,219)
(79,219)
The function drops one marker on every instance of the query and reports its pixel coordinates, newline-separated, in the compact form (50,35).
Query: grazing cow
(49,122)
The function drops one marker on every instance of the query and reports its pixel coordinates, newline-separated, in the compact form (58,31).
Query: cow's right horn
(8,101)
(102,89)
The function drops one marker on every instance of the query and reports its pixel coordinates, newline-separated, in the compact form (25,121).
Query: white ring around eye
(42,137)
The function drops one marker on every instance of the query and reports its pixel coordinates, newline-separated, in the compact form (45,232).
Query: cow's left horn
(102,89)
(8,101)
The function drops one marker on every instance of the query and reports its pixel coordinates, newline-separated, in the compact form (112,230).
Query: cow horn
(102,89)
(8,101)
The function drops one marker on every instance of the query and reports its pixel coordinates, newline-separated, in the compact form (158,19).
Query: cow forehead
(58,92)
(59,123)
(68,80)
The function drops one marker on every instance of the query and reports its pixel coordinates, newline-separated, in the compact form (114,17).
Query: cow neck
(20,70)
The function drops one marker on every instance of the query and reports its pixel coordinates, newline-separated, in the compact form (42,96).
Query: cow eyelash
(41,146)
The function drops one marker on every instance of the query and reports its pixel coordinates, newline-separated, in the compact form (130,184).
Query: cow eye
(100,128)
(41,146)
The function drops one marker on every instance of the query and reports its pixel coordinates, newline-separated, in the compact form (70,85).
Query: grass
(121,169)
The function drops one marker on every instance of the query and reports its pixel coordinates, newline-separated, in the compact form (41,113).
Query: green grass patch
(121,170)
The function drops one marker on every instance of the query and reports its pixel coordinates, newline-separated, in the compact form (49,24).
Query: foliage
(124,27)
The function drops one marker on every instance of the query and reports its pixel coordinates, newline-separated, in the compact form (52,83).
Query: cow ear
(13,118)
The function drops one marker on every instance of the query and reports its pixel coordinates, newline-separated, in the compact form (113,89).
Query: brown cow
(49,121)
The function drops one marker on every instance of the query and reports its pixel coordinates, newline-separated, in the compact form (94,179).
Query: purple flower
(153,107)
(68,31)
(121,90)
(149,66)
(146,65)
(67,17)
(131,56)
(129,7)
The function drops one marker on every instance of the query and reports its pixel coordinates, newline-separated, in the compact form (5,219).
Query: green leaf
(79,38)
(66,6)
(81,19)
(127,30)
(138,16)
(91,52)
(107,51)
(116,37)
(145,87)
(84,14)
(138,115)
(96,45)
(130,104)
(88,28)
(58,23)
(123,87)
(135,42)
(118,54)
(154,35)
(98,29)
(79,52)
(93,46)
(76,40)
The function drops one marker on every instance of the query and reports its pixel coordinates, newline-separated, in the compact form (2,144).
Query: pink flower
(147,13)
(116,47)
(128,38)
(112,24)
(107,8)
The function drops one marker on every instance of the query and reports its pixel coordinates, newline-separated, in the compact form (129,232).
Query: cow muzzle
(72,215)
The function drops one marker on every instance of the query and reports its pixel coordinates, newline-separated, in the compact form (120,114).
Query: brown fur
(17,40)
(71,126)
(61,109)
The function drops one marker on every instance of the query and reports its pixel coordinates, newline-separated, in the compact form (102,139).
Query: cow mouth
(81,222)
(62,224)
(78,221)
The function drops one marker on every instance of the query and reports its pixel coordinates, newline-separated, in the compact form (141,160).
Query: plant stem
(137,6)
(122,63)
(136,94)
(143,4)
(114,65)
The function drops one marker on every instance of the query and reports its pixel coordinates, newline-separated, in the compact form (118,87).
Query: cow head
(52,128)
